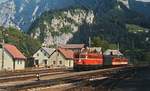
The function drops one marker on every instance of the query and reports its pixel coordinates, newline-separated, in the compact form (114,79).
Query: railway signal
(38,76)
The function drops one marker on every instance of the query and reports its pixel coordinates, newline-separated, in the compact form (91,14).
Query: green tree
(98,42)
(147,56)
(27,45)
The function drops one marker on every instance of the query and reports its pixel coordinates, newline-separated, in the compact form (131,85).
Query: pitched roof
(72,46)
(14,52)
(114,52)
(48,50)
(69,54)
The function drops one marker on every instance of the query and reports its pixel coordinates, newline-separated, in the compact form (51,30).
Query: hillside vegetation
(27,45)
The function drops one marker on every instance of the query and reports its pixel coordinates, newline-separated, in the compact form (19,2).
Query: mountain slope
(58,27)
(21,13)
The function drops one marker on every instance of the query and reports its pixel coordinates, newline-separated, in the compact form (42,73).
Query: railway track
(107,83)
(62,78)
(29,75)
(31,71)
(110,83)
(113,81)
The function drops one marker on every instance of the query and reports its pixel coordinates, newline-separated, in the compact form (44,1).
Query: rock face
(7,11)
(61,27)
(22,13)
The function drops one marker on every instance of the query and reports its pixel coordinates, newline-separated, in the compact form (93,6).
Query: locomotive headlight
(79,60)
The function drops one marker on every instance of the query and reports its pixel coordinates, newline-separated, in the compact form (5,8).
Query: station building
(11,58)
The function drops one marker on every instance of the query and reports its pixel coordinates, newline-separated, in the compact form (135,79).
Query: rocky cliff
(59,26)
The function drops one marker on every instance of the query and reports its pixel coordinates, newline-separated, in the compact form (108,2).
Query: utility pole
(89,41)
(2,44)
(118,46)
(90,34)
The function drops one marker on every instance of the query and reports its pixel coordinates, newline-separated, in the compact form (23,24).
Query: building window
(38,54)
(57,54)
(69,63)
(45,62)
(60,62)
(20,62)
(36,62)
(54,62)
(17,61)
(44,54)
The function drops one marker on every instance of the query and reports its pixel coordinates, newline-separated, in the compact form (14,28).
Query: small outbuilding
(62,58)
(11,58)
(41,57)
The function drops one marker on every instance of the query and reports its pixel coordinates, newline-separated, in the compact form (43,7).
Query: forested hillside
(27,45)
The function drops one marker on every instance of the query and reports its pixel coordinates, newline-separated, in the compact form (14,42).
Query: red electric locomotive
(88,61)
(94,60)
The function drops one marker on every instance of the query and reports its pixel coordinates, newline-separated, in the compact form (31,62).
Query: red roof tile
(14,52)
(69,54)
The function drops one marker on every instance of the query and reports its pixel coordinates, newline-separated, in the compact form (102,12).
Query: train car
(94,60)
(111,60)
(89,61)
(119,61)
(114,58)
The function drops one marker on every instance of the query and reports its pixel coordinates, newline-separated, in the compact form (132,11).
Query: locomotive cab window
(82,56)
